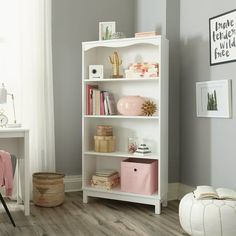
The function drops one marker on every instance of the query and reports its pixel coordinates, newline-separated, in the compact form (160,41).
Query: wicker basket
(48,189)
(104,130)
(104,143)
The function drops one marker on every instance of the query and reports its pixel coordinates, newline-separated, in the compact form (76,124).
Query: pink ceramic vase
(130,105)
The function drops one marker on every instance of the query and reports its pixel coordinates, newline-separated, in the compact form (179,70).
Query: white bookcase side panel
(146,131)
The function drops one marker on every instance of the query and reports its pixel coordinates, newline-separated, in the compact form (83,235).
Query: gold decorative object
(149,108)
(116,62)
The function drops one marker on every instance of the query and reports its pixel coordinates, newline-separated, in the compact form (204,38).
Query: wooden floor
(98,217)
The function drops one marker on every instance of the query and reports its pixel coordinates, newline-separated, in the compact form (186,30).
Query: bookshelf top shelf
(154,40)
(121,80)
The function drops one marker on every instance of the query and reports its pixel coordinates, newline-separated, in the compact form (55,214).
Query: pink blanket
(6,174)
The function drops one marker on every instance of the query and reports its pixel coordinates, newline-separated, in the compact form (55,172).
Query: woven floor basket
(48,189)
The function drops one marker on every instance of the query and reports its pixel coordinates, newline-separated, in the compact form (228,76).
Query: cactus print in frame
(106,29)
(213,98)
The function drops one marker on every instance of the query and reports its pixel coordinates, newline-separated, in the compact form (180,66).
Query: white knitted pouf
(207,217)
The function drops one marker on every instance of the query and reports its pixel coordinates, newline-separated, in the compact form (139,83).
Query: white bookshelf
(153,129)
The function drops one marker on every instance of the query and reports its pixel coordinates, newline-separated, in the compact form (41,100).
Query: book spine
(111,104)
(106,103)
(88,99)
(97,102)
(93,102)
(102,104)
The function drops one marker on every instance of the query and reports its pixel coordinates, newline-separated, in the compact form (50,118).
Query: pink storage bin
(139,176)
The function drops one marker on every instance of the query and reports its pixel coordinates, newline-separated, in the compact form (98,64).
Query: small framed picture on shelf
(106,29)
(214,99)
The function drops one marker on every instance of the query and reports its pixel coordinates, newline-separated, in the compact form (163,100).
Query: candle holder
(132,144)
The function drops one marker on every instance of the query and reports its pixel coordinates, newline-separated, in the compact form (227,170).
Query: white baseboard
(176,191)
(173,191)
(73,183)
(184,189)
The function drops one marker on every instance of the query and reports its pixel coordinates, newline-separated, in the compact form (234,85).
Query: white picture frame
(106,29)
(213,99)
(222,38)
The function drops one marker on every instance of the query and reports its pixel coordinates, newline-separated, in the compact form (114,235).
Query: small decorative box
(104,130)
(104,143)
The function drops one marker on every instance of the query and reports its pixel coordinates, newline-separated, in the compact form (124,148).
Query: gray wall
(207,153)
(74,21)
(150,16)
(163,16)
(207,144)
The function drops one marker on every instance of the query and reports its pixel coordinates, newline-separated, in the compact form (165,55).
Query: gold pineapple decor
(149,108)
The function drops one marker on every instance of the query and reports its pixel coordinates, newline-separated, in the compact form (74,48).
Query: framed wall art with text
(222,37)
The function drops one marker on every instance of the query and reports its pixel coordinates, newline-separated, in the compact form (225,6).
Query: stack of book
(146,34)
(105,179)
(142,70)
(99,102)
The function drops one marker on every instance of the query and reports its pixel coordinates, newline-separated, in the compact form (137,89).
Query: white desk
(16,141)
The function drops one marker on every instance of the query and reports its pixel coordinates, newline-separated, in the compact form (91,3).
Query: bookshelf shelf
(152,130)
(124,195)
(121,117)
(153,156)
(151,79)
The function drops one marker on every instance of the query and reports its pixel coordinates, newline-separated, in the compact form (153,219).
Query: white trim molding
(184,189)
(177,190)
(73,183)
(173,191)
